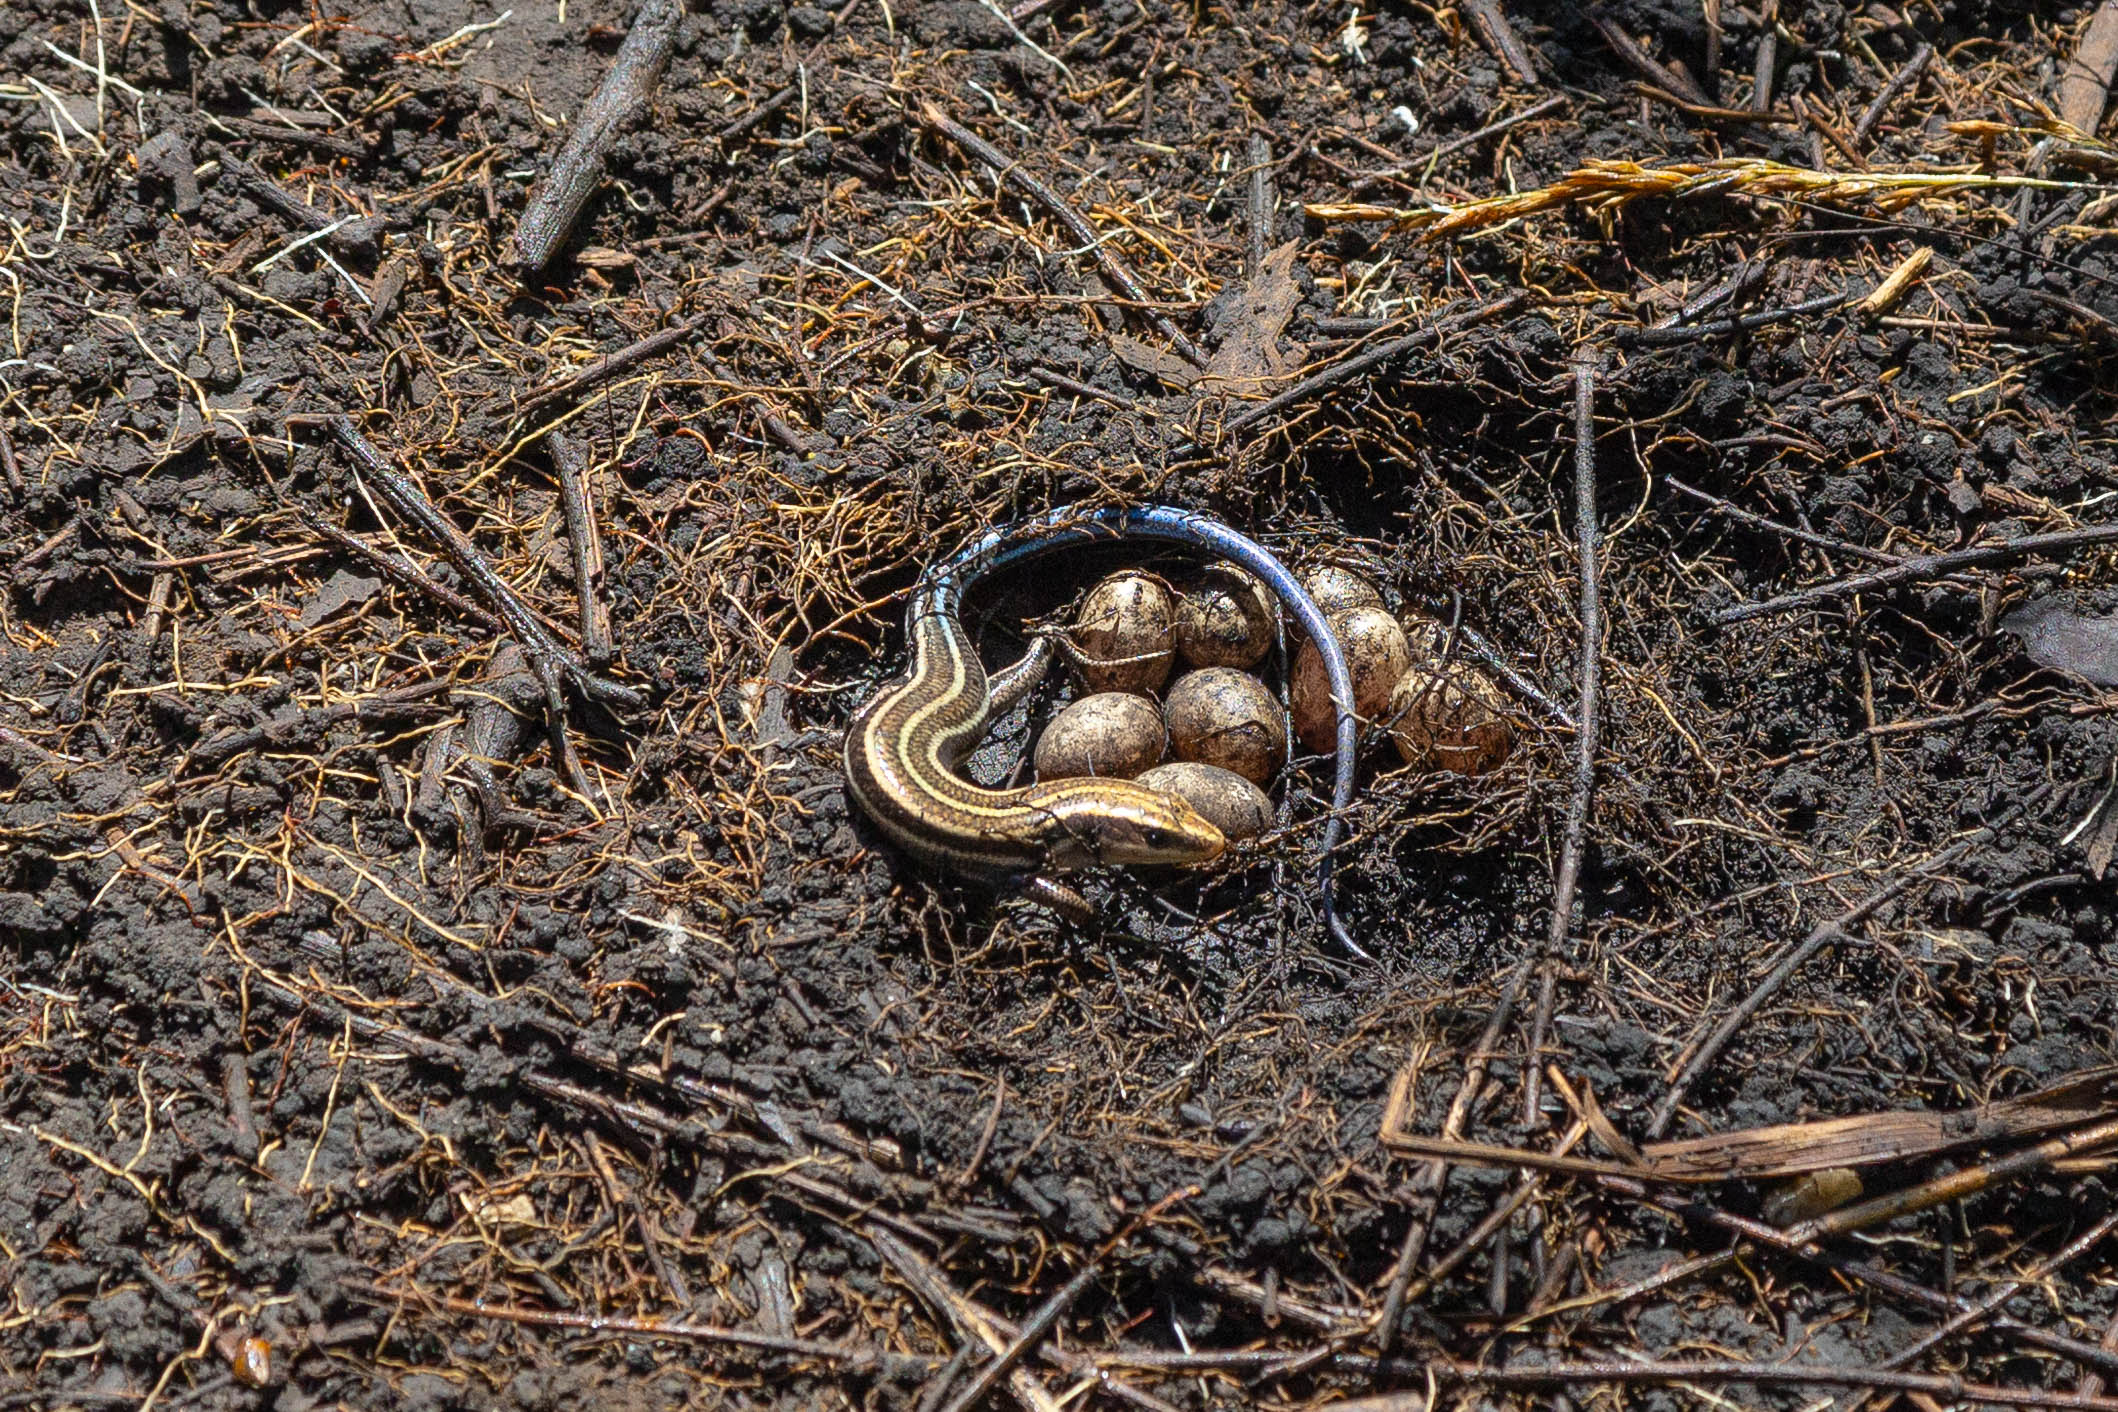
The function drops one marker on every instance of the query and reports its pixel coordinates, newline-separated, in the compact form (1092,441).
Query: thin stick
(960,1311)
(1888,1281)
(12,467)
(622,96)
(1261,201)
(297,137)
(1076,224)
(1646,65)
(2001,1293)
(579,499)
(605,1324)
(613,363)
(1492,25)
(1767,57)
(1756,521)
(1375,357)
(1660,337)
(1041,1322)
(761,112)
(1428,1184)
(1903,79)
(358,235)
(405,496)
(1823,935)
(1458,144)
(1920,566)
(1589,547)
(404,573)
(1712,112)
(1946,1386)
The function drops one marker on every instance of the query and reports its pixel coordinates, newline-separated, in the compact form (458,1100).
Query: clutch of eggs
(1218,734)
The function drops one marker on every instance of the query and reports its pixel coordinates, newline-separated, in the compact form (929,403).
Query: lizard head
(1092,822)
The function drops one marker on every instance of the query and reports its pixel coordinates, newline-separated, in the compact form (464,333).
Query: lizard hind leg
(1057,896)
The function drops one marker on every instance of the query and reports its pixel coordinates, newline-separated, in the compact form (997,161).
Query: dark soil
(333,1005)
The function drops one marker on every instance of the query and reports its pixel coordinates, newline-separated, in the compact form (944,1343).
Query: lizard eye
(1157,838)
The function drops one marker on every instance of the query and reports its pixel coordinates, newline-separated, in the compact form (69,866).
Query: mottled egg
(1447,716)
(1337,589)
(1220,716)
(1112,734)
(1232,804)
(1125,633)
(1224,620)
(1377,655)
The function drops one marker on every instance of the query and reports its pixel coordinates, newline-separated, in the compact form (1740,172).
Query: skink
(904,746)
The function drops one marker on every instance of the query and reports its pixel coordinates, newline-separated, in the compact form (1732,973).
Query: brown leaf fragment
(344,589)
(1250,350)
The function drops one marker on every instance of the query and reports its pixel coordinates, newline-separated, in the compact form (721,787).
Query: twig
(2001,1293)
(36,557)
(1663,337)
(611,364)
(2092,1382)
(1748,278)
(609,1325)
(357,235)
(1492,25)
(1047,1315)
(546,652)
(1712,112)
(1375,357)
(1945,1386)
(624,93)
(1888,1281)
(1261,201)
(1427,1185)
(970,1322)
(1589,547)
(1756,521)
(1903,79)
(2085,82)
(12,467)
(1648,67)
(1459,143)
(1767,57)
(411,703)
(1813,113)
(1062,211)
(776,426)
(297,137)
(1920,566)
(1823,935)
(403,572)
(578,498)
(761,112)
(991,1327)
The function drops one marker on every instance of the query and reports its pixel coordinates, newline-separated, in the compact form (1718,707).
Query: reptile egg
(1220,716)
(1126,633)
(1232,804)
(1377,655)
(1448,718)
(1113,734)
(1338,590)
(1226,620)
